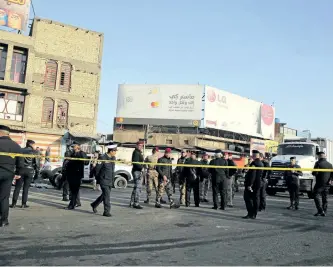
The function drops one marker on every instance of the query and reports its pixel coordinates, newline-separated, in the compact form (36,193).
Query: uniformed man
(152,174)
(164,176)
(252,186)
(105,175)
(219,180)
(263,185)
(181,179)
(322,184)
(75,173)
(137,172)
(27,172)
(292,181)
(231,180)
(9,169)
(192,180)
(63,183)
(204,178)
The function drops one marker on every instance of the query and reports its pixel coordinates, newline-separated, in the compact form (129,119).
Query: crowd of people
(160,177)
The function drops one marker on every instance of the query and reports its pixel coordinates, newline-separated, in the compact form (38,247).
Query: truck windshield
(297,149)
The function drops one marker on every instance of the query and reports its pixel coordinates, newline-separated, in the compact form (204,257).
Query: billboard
(178,105)
(14,14)
(230,112)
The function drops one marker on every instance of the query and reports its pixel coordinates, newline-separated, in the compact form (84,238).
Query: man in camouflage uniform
(181,178)
(164,177)
(204,179)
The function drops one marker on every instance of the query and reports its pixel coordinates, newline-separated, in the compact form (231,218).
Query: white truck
(305,152)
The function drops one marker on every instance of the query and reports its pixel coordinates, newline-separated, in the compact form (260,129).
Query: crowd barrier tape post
(14,155)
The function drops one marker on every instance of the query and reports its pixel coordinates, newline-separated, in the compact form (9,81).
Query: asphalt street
(46,234)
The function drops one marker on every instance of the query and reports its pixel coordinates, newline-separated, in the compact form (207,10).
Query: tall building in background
(49,82)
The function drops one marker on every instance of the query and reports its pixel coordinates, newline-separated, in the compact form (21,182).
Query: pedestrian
(37,173)
(263,184)
(105,176)
(181,179)
(204,179)
(192,180)
(138,164)
(231,180)
(9,170)
(63,183)
(322,184)
(292,182)
(219,180)
(92,171)
(164,177)
(75,173)
(27,172)
(252,186)
(152,174)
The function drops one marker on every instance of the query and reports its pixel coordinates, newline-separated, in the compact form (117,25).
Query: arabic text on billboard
(14,13)
(154,104)
(230,112)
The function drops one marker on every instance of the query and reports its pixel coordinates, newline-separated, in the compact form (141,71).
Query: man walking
(263,184)
(9,169)
(252,186)
(152,174)
(322,184)
(192,179)
(27,172)
(138,161)
(231,180)
(292,181)
(204,178)
(105,175)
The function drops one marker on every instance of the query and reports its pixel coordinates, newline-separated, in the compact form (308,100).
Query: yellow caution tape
(14,155)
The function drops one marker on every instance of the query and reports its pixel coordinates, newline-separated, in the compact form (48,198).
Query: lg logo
(129,99)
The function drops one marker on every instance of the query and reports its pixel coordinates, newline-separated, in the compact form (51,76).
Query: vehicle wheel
(310,195)
(120,182)
(271,191)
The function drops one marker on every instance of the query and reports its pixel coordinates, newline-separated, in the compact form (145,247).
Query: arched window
(48,111)
(65,77)
(50,79)
(62,113)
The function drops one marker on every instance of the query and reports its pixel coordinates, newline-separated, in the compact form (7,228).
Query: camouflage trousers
(164,187)
(152,181)
(182,189)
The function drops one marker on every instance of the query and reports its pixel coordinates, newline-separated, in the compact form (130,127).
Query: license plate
(280,182)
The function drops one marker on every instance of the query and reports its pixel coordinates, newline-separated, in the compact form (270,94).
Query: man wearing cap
(204,178)
(292,181)
(231,180)
(263,185)
(322,184)
(105,175)
(181,178)
(192,178)
(164,176)
(27,173)
(219,179)
(252,186)
(137,170)
(152,174)
(9,169)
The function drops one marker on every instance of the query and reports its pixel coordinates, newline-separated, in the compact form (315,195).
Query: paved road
(46,234)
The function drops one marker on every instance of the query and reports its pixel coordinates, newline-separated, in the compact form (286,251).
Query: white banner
(230,112)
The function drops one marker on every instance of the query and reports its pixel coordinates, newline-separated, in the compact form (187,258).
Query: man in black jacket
(192,180)
(292,181)
(30,166)
(75,173)
(231,180)
(137,170)
(322,184)
(263,184)
(105,176)
(204,178)
(9,169)
(181,179)
(219,179)
(164,177)
(252,186)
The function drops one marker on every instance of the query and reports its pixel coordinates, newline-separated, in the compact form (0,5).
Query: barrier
(14,155)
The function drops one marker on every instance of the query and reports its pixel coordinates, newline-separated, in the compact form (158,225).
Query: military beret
(255,152)
(291,158)
(168,150)
(218,151)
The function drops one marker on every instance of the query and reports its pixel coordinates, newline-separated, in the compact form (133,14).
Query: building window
(62,113)
(65,77)
(11,106)
(168,141)
(50,78)
(186,142)
(19,65)
(48,110)
(3,60)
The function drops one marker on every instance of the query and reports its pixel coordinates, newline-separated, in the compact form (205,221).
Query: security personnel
(192,180)
(164,176)
(263,185)
(75,173)
(252,186)
(219,179)
(322,184)
(63,182)
(204,178)
(181,179)
(292,181)
(105,176)
(9,169)
(152,174)
(137,172)
(30,166)
(231,179)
